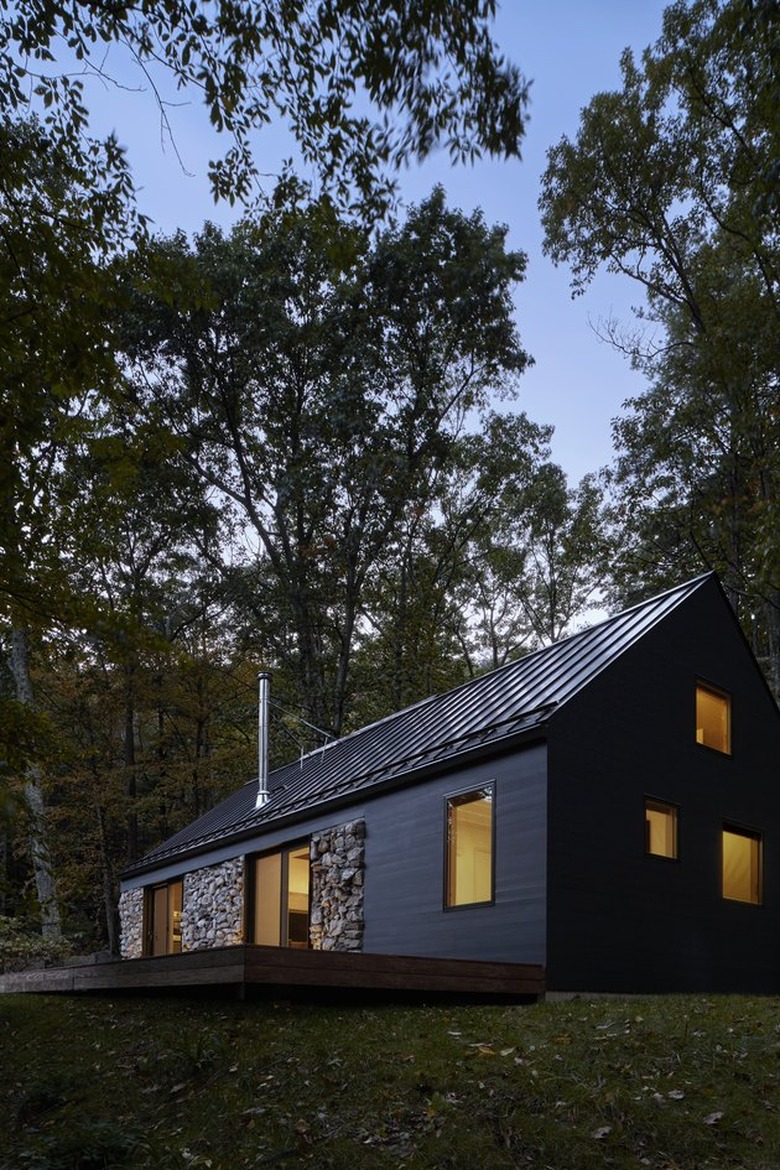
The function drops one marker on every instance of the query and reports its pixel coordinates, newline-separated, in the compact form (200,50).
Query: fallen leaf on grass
(713,1118)
(481,1050)
(602,1132)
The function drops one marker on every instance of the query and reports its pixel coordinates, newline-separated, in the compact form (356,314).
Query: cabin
(607,808)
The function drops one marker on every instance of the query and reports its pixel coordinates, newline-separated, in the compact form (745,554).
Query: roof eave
(412,775)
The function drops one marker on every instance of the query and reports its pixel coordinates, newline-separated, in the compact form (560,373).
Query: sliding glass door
(163,918)
(281,898)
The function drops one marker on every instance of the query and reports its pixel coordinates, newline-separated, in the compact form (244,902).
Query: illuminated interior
(742,866)
(281,903)
(298,897)
(164,905)
(660,828)
(470,848)
(713,719)
(268,899)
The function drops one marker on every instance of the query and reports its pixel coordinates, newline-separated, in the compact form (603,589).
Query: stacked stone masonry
(131,918)
(337,885)
(213,899)
(213,906)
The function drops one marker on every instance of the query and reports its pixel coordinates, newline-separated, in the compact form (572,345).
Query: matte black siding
(405,867)
(619,920)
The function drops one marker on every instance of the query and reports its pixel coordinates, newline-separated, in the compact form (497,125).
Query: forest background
(294,444)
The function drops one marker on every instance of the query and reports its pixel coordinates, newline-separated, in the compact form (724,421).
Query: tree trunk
(109,885)
(772,611)
(3,868)
(130,769)
(40,854)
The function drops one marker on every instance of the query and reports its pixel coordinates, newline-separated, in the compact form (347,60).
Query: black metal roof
(513,700)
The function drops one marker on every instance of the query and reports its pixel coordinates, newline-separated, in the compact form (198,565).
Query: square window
(660,828)
(713,718)
(741,865)
(470,848)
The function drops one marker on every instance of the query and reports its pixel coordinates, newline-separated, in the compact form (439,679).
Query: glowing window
(281,898)
(163,918)
(742,865)
(713,719)
(470,848)
(660,828)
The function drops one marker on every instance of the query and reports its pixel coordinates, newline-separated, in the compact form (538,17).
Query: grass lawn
(682,1082)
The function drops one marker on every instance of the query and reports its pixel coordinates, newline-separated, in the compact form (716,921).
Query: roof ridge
(505,666)
(684,588)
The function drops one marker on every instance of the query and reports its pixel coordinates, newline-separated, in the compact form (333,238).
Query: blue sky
(570,49)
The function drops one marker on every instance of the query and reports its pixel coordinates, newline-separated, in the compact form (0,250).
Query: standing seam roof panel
(519,695)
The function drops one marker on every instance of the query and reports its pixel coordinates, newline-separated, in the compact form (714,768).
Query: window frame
(171,935)
(456,795)
(750,834)
(675,810)
(250,902)
(718,693)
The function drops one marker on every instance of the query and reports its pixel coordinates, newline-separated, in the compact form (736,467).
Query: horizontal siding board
(405,860)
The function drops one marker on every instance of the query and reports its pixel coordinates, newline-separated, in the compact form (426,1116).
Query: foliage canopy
(362,87)
(673,181)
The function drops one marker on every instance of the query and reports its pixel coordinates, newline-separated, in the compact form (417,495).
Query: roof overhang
(413,775)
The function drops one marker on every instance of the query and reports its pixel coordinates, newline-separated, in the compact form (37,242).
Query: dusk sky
(570,49)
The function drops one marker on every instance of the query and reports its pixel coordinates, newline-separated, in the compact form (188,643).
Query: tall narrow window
(713,718)
(660,828)
(741,865)
(297,912)
(268,900)
(163,918)
(281,898)
(470,848)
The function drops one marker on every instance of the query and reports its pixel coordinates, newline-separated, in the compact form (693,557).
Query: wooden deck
(244,968)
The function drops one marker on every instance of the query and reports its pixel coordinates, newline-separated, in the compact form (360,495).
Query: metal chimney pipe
(263,690)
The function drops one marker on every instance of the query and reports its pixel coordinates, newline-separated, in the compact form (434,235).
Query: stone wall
(213,899)
(131,924)
(337,876)
(213,906)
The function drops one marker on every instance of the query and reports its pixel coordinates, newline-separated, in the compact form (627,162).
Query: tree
(561,535)
(317,388)
(53,353)
(431,606)
(673,181)
(426,75)
(531,562)
(430,76)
